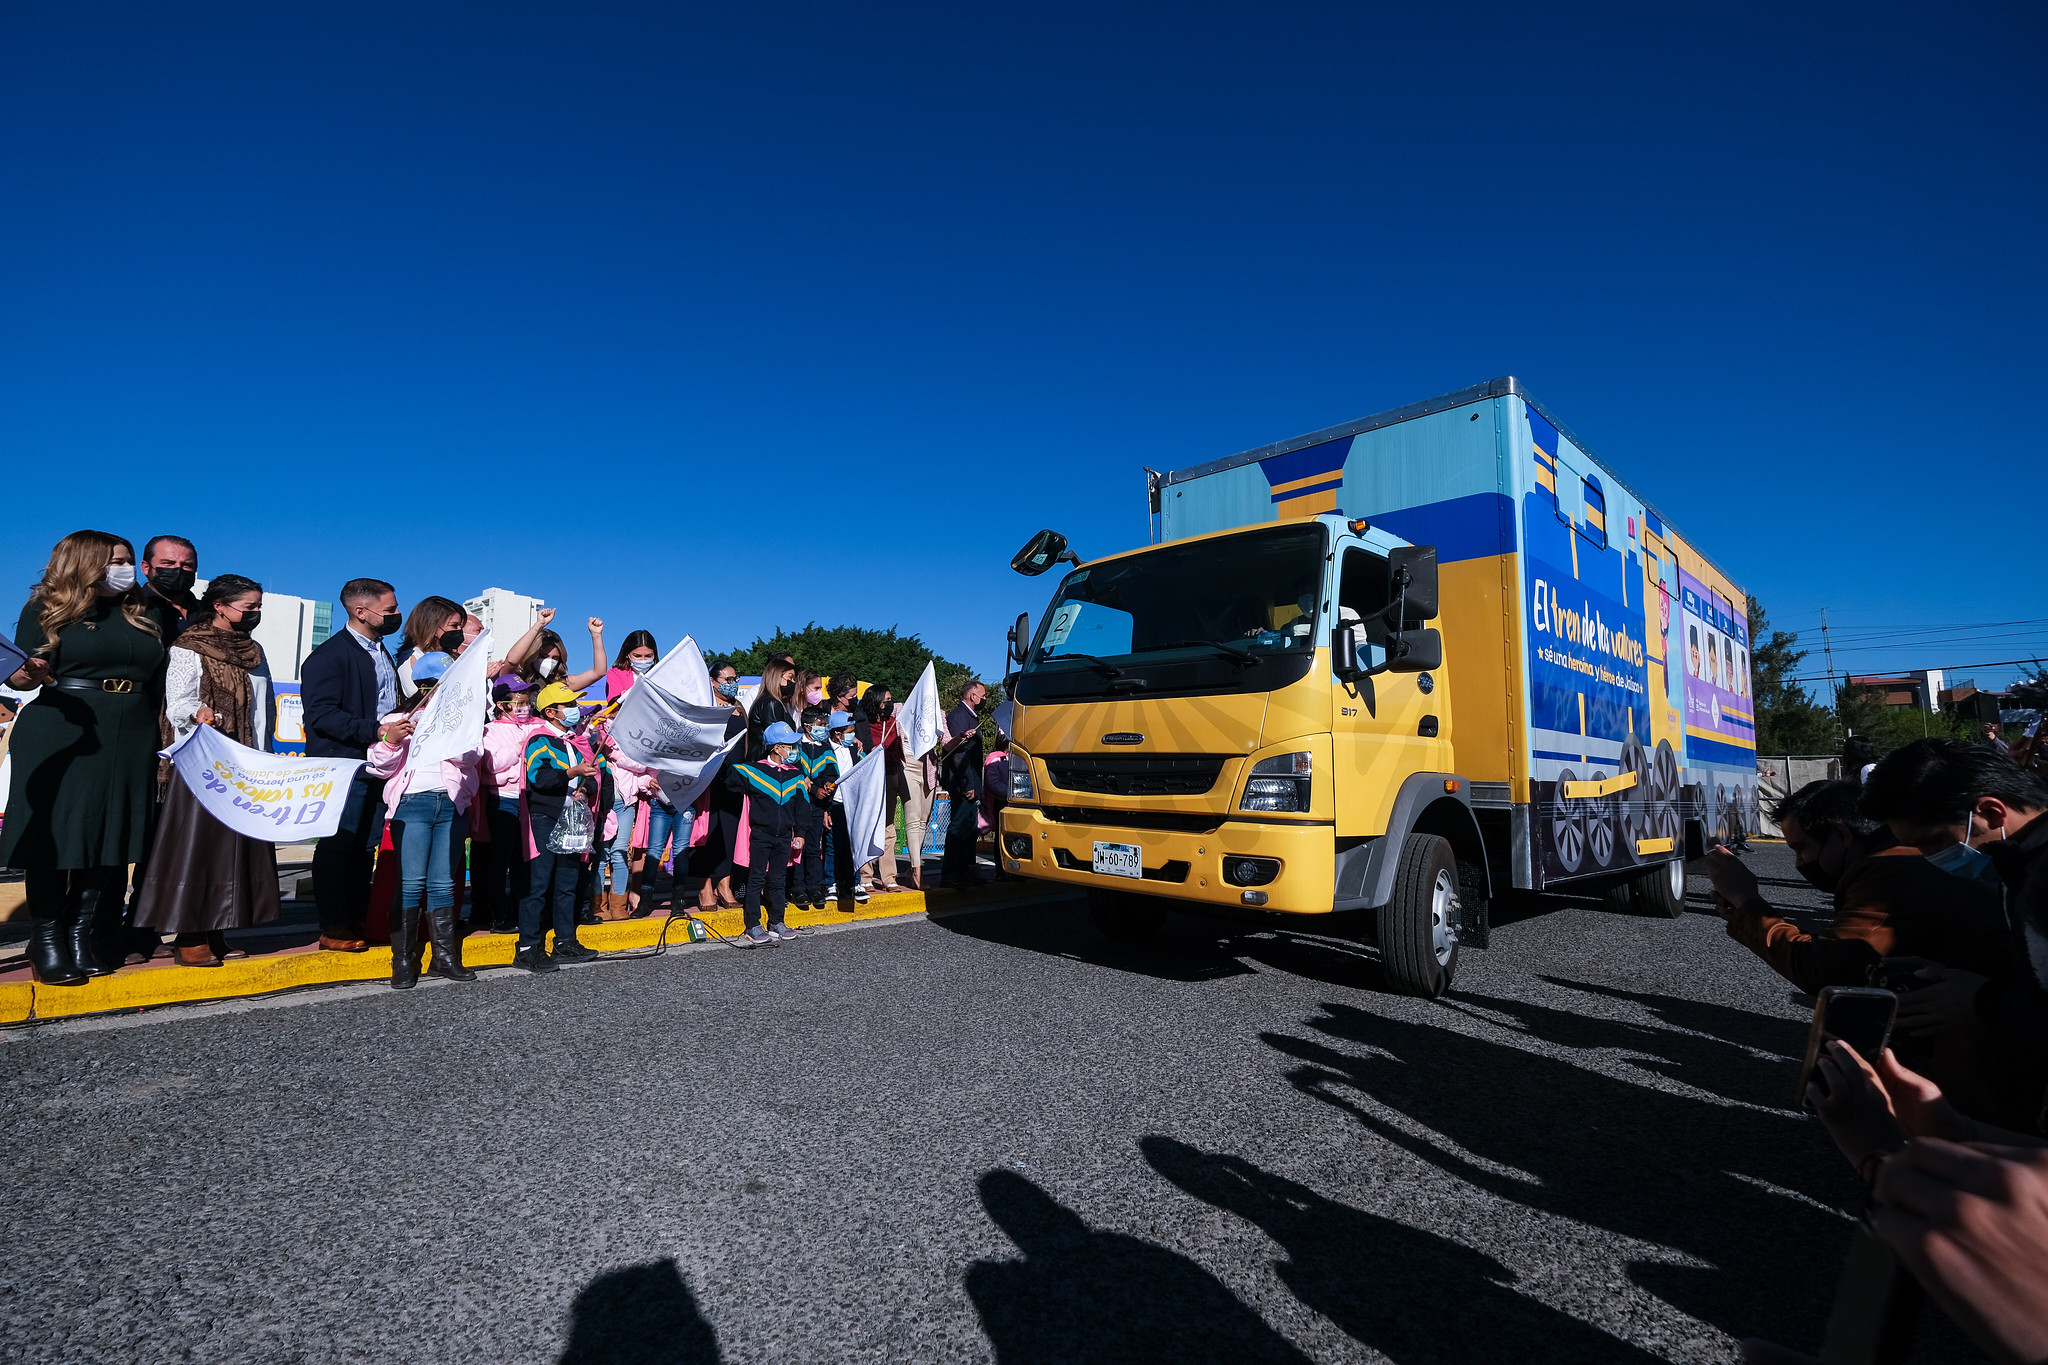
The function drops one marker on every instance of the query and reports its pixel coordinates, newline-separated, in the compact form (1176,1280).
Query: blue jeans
(427,832)
(615,860)
(664,823)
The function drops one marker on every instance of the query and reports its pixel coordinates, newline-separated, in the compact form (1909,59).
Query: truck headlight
(1020,777)
(1280,783)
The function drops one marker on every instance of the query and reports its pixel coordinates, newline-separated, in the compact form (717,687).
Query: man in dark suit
(347,686)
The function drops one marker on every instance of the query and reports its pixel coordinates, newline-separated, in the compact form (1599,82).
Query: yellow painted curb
(238,977)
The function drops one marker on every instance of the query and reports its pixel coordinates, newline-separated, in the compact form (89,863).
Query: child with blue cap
(778,809)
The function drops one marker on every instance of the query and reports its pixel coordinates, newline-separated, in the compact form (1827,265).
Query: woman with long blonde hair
(83,798)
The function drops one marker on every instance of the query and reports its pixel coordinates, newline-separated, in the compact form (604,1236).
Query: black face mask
(389,625)
(250,620)
(451,640)
(1816,878)
(171,580)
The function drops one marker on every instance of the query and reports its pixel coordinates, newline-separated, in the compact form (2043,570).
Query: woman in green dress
(83,792)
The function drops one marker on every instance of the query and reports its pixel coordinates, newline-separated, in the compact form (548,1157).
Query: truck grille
(1198,822)
(1134,774)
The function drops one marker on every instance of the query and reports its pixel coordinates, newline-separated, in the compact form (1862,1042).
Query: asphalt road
(991,1136)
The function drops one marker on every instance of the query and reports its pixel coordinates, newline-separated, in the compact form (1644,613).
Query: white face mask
(641,665)
(119,577)
(547,668)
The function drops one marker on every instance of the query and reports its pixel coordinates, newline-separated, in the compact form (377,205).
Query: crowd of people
(1935,859)
(546,825)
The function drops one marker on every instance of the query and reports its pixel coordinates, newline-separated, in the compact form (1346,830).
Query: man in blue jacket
(347,686)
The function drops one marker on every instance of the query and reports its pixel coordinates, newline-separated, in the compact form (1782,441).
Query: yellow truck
(1396,666)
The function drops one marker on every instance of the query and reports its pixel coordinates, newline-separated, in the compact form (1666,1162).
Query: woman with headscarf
(204,878)
(82,795)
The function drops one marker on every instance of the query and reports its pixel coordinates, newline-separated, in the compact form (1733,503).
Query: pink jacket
(505,752)
(459,776)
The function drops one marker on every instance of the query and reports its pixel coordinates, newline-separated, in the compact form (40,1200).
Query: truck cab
(1254,719)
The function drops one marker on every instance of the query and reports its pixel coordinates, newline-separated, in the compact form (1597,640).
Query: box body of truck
(1589,641)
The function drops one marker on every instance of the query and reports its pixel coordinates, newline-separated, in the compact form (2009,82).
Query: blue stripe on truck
(1476,526)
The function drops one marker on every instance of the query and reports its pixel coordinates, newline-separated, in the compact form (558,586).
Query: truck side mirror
(1344,653)
(1020,637)
(1041,552)
(1411,572)
(1415,651)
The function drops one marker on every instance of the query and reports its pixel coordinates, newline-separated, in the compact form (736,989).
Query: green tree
(2032,691)
(1861,710)
(1788,719)
(874,656)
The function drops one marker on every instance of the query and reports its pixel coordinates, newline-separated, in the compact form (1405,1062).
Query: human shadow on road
(1409,1294)
(1727,1185)
(1714,1054)
(639,1315)
(1079,1294)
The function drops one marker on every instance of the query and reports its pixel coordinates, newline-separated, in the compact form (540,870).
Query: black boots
(89,899)
(49,940)
(49,955)
(118,940)
(405,953)
(447,947)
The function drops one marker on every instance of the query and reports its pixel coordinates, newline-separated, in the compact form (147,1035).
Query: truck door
(1385,727)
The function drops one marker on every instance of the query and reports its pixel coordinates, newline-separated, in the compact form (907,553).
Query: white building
(505,613)
(291,628)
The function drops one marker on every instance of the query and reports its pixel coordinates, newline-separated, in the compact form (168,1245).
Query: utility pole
(1827,650)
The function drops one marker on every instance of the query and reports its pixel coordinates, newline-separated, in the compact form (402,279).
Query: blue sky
(710,321)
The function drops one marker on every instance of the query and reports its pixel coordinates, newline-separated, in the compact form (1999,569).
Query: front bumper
(1307,854)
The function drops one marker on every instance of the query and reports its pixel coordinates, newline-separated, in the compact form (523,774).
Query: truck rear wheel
(1123,917)
(1659,891)
(1418,926)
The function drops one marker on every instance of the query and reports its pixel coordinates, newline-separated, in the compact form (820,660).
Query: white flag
(918,717)
(682,675)
(864,793)
(274,797)
(684,745)
(451,724)
(12,657)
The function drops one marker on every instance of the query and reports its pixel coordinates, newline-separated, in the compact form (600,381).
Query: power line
(1941,668)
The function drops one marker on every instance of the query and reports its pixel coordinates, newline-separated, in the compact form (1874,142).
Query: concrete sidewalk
(162,982)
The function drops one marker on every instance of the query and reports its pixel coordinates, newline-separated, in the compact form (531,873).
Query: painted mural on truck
(1606,788)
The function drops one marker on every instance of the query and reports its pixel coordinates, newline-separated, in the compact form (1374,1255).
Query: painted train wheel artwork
(1664,794)
(1567,827)
(1600,822)
(1636,804)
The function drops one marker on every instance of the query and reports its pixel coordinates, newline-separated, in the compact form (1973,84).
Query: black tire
(1418,926)
(1122,917)
(1659,891)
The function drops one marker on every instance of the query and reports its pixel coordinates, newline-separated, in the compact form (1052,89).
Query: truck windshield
(1237,613)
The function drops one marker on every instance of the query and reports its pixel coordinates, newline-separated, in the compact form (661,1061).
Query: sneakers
(821,904)
(755,937)
(534,959)
(572,951)
(781,931)
(860,893)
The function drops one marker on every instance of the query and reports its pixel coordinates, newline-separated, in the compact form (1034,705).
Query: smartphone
(1860,1016)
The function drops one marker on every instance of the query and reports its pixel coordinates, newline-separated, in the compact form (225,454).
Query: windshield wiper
(1107,670)
(1243,658)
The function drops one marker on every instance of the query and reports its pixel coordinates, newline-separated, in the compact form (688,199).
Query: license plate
(1118,860)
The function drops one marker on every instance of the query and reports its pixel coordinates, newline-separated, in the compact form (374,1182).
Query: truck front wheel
(1418,926)
(1123,917)
(1659,891)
